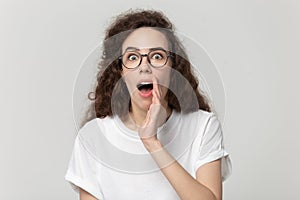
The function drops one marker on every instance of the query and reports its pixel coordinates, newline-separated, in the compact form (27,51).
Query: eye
(132,57)
(157,56)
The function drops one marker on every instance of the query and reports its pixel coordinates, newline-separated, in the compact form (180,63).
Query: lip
(144,81)
(146,95)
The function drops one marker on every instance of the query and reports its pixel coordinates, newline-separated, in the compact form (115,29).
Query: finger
(155,84)
(158,88)
(155,91)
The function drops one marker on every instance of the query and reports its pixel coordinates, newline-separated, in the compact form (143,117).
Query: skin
(147,112)
(140,39)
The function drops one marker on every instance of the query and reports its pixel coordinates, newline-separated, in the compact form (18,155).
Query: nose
(144,58)
(145,65)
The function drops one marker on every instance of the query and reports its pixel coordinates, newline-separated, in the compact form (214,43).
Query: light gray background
(255,45)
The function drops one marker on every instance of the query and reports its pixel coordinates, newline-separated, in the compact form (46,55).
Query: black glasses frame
(148,59)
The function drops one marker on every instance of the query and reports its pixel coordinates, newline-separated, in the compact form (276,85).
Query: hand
(156,116)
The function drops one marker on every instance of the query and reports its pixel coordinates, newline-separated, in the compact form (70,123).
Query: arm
(84,195)
(208,182)
(206,186)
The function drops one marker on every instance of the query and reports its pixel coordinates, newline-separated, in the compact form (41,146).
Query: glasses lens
(158,58)
(131,59)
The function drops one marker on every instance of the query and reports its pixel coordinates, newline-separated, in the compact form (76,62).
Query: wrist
(152,145)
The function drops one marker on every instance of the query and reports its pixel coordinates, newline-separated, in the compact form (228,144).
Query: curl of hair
(109,78)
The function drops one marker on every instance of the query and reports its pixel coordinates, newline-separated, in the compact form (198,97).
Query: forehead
(145,38)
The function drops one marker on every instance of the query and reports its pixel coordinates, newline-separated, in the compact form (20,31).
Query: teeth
(143,83)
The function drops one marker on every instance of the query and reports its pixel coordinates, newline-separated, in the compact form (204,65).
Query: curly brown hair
(111,91)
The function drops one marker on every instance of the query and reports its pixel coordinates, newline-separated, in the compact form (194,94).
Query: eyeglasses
(156,57)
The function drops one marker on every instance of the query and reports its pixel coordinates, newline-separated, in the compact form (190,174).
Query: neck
(138,116)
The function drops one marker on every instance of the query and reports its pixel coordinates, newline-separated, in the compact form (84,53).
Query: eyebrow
(132,48)
(137,49)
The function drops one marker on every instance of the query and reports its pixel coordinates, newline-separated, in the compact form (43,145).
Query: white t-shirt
(110,162)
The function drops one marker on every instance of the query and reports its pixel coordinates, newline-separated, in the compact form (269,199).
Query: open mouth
(145,87)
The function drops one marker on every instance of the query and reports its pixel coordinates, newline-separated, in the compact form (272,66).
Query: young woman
(154,136)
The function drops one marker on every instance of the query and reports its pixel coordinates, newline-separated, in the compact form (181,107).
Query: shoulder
(201,122)
(91,137)
(94,126)
(88,126)
(199,116)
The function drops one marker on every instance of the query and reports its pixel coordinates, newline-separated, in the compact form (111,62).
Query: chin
(144,104)
(141,103)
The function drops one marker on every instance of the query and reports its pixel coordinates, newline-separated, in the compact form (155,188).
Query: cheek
(129,79)
(163,76)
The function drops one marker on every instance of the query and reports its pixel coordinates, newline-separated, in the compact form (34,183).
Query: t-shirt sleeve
(211,147)
(82,171)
